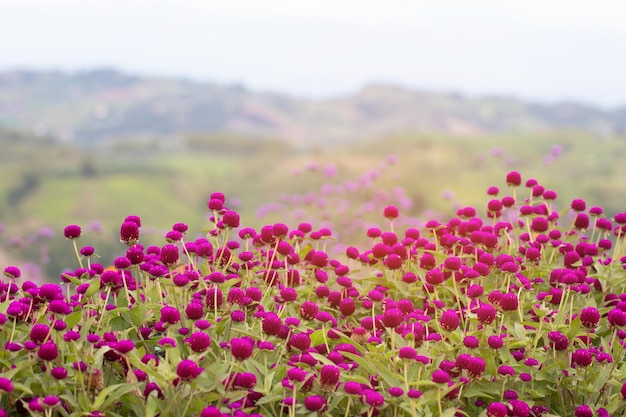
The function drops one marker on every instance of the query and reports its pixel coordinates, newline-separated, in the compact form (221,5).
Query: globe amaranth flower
(6,385)
(12,272)
(475,367)
(169,255)
(329,377)
(449,320)
(48,351)
(300,341)
(315,403)
(373,398)
(590,317)
(440,377)
(241,348)
(583,411)
(188,370)
(392,317)
(170,315)
(72,231)
(124,346)
(245,380)
(497,409)
(558,340)
(582,357)
(39,333)
(59,372)
(129,233)
(199,341)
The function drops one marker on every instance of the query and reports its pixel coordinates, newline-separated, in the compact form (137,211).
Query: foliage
(509,308)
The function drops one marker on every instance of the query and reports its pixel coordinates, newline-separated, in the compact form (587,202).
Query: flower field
(513,308)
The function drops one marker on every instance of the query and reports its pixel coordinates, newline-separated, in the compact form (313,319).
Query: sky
(548,50)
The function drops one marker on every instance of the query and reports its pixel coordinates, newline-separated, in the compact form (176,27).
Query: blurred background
(311,110)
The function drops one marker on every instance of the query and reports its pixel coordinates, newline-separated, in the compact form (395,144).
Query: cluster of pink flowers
(514,309)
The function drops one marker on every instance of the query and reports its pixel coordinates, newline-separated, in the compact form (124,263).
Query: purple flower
(300,341)
(407,352)
(374,399)
(241,348)
(392,317)
(449,320)
(169,255)
(39,333)
(188,370)
(440,377)
(245,380)
(355,388)
(590,317)
(6,385)
(199,341)
(72,231)
(124,346)
(497,409)
(170,315)
(315,403)
(583,411)
(12,272)
(329,377)
(505,370)
(48,351)
(59,372)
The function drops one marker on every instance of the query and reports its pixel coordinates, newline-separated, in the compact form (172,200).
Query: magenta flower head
(308,310)
(590,317)
(578,205)
(12,272)
(315,403)
(475,367)
(188,370)
(509,302)
(48,351)
(124,346)
(169,255)
(72,231)
(39,333)
(170,315)
(513,179)
(497,409)
(407,352)
(199,341)
(391,212)
(558,340)
(440,377)
(6,385)
(231,219)
(583,411)
(241,348)
(449,320)
(51,401)
(486,313)
(582,357)
(373,398)
(300,341)
(329,377)
(392,317)
(129,233)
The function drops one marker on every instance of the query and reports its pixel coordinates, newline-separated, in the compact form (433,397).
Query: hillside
(94,107)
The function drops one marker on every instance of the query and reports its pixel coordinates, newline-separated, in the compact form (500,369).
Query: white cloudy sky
(539,49)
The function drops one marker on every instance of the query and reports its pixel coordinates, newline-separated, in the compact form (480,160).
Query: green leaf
(112,394)
(94,287)
(72,319)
